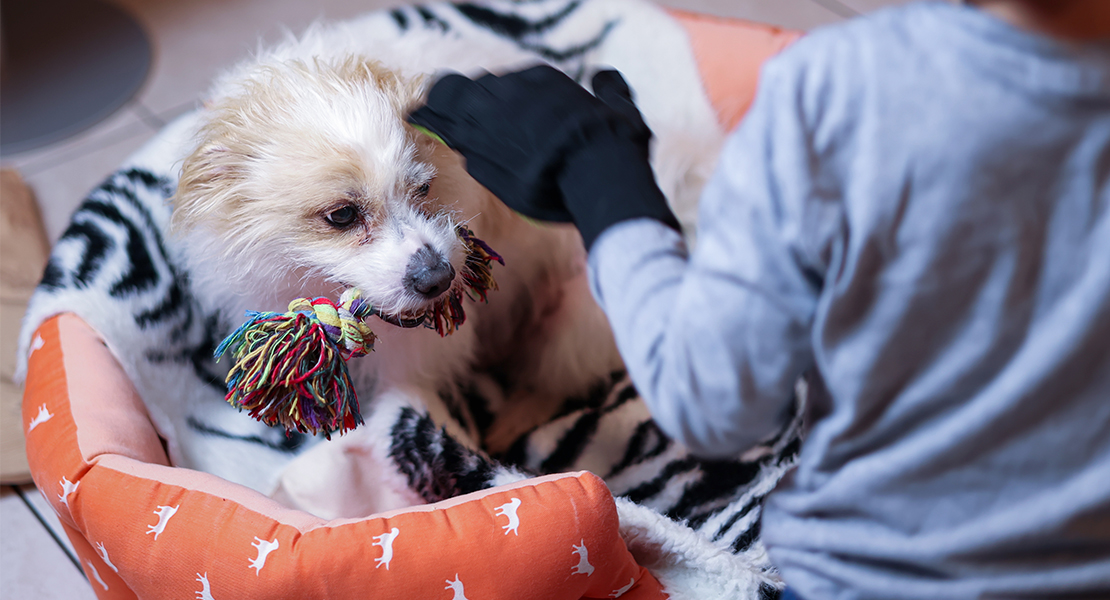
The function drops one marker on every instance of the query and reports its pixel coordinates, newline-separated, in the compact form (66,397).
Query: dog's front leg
(438,466)
(353,475)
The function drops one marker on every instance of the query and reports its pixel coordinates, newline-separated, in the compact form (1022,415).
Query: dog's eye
(423,190)
(342,217)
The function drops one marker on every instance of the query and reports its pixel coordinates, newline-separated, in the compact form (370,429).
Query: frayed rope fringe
(291,368)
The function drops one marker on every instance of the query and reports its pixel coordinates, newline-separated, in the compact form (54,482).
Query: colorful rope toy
(291,368)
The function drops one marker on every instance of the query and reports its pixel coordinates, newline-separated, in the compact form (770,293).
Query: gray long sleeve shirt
(915,215)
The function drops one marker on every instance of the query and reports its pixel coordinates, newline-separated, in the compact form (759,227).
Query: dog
(306,180)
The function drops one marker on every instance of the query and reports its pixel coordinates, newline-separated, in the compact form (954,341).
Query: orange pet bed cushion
(730,53)
(143,529)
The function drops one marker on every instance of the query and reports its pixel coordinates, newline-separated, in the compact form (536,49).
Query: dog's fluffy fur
(316,124)
(290,142)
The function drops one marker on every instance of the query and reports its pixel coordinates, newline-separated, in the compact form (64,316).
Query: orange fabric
(730,53)
(146,530)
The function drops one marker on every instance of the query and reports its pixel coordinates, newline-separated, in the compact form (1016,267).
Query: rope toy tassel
(477,279)
(478,274)
(291,369)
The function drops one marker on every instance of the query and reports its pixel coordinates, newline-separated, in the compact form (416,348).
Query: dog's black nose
(429,273)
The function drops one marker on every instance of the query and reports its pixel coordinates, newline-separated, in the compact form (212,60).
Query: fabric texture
(915,215)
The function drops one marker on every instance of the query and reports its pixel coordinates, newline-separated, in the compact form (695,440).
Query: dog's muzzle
(429,274)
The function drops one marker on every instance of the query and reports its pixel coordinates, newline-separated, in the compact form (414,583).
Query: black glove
(548,149)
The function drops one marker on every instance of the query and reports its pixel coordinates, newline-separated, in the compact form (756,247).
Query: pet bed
(145,530)
(120,386)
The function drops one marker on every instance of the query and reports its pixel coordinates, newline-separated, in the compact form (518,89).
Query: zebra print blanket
(116,267)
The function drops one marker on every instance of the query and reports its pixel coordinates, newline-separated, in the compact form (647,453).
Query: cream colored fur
(294,140)
(317,121)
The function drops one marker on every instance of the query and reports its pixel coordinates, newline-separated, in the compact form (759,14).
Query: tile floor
(193,40)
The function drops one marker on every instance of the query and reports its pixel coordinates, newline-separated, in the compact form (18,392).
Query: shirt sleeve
(716,339)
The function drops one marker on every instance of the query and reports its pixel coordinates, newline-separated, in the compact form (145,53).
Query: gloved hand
(548,148)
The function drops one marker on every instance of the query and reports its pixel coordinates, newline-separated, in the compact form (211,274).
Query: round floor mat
(66,65)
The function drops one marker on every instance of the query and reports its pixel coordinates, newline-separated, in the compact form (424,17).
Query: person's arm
(548,148)
(715,341)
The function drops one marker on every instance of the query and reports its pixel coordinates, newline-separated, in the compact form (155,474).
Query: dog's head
(307,175)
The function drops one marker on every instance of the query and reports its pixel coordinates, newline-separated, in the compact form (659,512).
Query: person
(914,216)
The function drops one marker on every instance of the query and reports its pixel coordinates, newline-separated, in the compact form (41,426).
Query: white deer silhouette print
(509,510)
(35,345)
(386,540)
(100,551)
(96,575)
(457,587)
(264,549)
(43,416)
(621,591)
(68,487)
(205,592)
(583,567)
(164,513)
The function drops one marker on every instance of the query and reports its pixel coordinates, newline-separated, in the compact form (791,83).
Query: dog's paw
(350,476)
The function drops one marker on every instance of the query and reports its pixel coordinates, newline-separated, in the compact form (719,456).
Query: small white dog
(308,181)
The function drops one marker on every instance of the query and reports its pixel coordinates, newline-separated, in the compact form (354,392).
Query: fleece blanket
(695,523)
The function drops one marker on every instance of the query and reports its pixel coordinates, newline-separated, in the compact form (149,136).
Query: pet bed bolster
(144,529)
(730,53)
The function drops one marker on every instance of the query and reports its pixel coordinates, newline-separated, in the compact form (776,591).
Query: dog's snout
(429,273)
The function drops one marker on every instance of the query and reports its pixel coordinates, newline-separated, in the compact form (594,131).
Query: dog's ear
(209,181)
(211,163)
